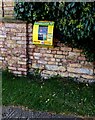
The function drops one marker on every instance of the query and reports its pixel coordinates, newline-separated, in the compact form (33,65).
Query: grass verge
(57,95)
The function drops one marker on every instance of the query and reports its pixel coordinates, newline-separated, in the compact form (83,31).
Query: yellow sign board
(43,33)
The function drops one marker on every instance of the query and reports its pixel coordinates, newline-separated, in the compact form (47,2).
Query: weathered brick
(64,60)
(21,42)
(88,66)
(42,62)
(22,69)
(81,62)
(56,48)
(47,58)
(54,51)
(55,67)
(24,73)
(37,58)
(48,51)
(12,68)
(38,54)
(22,63)
(63,74)
(1,42)
(51,67)
(1,46)
(74,54)
(66,49)
(74,65)
(30,26)
(80,70)
(34,61)
(47,55)
(14,30)
(88,76)
(0,63)
(58,60)
(42,48)
(36,50)
(42,51)
(1,58)
(77,50)
(31,46)
(3,49)
(21,34)
(59,52)
(81,58)
(74,75)
(36,65)
(51,73)
(51,63)
(30,35)
(61,68)
(10,25)
(18,38)
(24,59)
(22,56)
(13,38)
(53,59)
(89,63)
(59,56)
(31,57)
(23,66)
(8,11)
(2,39)
(23,38)
(16,72)
(8,3)
(65,53)
(82,55)
(30,30)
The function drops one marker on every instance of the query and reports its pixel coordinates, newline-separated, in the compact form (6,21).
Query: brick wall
(61,60)
(20,56)
(8,8)
(13,48)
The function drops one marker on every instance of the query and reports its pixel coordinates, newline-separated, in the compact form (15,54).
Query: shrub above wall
(74,22)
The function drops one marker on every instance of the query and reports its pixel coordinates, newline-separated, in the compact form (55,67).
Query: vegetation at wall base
(74,21)
(56,95)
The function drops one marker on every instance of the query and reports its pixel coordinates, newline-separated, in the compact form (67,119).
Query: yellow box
(43,33)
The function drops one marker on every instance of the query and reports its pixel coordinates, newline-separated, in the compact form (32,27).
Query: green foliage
(74,21)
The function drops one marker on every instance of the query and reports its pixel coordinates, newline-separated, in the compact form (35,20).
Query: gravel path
(10,113)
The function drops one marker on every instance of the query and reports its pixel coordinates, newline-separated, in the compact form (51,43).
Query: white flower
(53,95)
(86,84)
(47,100)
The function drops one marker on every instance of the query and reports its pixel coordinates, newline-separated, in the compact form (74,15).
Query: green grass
(57,95)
